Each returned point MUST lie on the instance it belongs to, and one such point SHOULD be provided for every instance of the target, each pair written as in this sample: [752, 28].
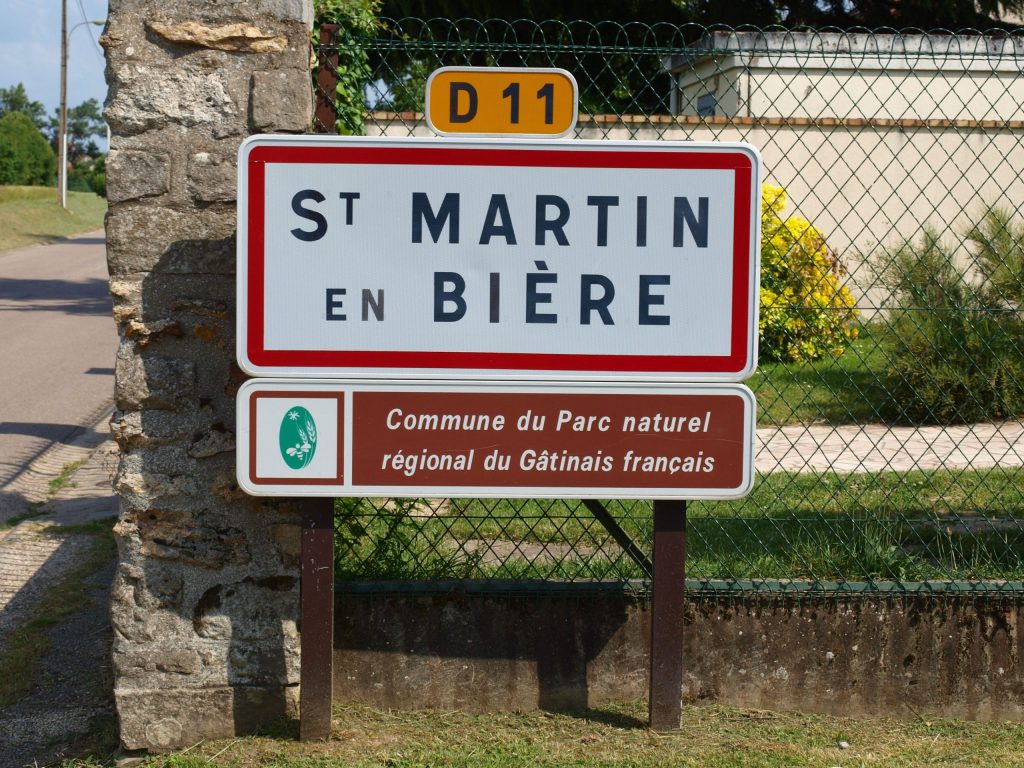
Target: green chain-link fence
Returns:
[891, 384]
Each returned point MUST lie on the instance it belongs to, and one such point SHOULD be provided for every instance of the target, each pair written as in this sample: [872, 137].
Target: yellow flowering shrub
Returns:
[806, 311]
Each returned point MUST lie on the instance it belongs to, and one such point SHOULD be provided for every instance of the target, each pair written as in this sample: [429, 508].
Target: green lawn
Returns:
[31, 215]
[916, 526]
[843, 390]
[711, 737]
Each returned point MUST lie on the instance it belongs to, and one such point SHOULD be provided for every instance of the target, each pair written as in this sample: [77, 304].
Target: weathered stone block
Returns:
[153, 96]
[137, 429]
[245, 38]
[275, 106]
[145, 603]
[246, 612]
[162, 719]
[211, 177]
[168, 660]
[290, 10]
[142, 488]
[288, 541]
[127, 298]
[132, 174]
[190, 538]
[144, 238]
[183, 296]
[142, 333]
[151, 382]
[210, 444]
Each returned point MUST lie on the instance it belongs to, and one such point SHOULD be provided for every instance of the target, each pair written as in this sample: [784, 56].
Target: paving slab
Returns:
[880, 448]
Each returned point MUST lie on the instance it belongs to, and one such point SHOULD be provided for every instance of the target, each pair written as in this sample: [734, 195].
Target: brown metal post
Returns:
[326, 117]
[667, 615]
[317, 619]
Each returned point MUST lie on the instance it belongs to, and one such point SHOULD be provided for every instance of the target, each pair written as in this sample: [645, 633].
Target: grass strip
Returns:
[28, 514]
[26, 644]
[64, 478]
[916, 526]
[712, 737]
[32, 215]
[849, 389]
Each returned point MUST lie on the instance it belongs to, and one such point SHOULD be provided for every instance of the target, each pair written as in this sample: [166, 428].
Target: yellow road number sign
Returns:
[499, 101]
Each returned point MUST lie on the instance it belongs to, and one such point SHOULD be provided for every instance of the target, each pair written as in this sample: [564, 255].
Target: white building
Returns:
[849, 76]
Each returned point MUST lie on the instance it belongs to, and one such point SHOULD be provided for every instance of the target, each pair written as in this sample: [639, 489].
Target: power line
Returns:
[95, 46]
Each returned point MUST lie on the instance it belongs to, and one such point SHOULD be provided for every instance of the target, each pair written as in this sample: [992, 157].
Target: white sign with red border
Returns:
[498, 259]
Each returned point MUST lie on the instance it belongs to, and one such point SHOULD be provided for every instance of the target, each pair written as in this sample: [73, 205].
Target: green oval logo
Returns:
[297, 437]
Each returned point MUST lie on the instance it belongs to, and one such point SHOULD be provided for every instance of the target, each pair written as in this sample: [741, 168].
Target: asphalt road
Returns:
[57, 346]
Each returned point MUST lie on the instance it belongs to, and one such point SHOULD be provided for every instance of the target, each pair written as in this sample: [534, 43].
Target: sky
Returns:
[30, 50]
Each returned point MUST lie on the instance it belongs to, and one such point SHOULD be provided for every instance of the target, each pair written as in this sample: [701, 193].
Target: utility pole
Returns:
[62, 135]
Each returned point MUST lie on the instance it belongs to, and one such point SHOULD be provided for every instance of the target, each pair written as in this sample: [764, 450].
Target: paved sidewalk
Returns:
[33, 554]
[878, 448]
[71, 694]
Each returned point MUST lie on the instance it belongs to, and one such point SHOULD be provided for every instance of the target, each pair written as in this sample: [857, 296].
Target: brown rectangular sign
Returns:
[494, 440]
[547, 440]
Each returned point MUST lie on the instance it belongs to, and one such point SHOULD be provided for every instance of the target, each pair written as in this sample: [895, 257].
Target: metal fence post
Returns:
[326, 117]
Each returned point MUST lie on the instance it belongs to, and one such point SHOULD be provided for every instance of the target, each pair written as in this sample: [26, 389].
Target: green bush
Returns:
[999, 243]
[355, 19]
[954, 341]
[98, 182]
[89, 175]
[25, 156]
[806, 311]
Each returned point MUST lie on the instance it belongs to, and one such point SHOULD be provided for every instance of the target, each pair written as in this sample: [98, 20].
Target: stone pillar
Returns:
[205, 600]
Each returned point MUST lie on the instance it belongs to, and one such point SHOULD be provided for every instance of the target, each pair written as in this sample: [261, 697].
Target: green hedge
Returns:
[25, 156]
[955, 340]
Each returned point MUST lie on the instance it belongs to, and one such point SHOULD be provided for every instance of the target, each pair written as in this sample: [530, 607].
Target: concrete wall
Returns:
[899, 656]
[206, 593]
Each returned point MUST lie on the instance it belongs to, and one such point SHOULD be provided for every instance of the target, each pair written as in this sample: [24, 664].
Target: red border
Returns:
[591, 157]
[339, 477]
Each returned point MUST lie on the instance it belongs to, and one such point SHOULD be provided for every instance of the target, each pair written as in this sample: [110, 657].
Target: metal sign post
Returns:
[668, 600]
[316, 619]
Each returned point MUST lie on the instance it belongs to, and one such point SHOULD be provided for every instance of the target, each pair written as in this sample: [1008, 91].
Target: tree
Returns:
[649, 11]
[806, 311]
[84, 122]
[98, 180]
[15, 99]
[898, 14]
[25, 157]
[923, 14]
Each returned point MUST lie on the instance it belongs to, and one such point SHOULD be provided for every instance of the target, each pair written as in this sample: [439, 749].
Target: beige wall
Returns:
[844, 92]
